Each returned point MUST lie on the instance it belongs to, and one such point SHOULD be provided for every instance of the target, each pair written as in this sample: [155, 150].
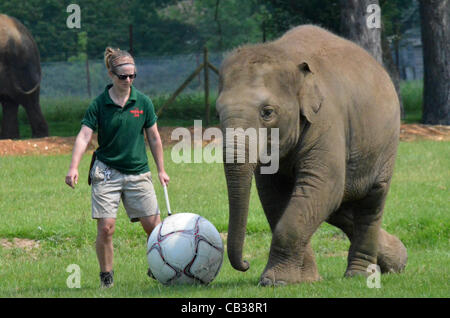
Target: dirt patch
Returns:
[25, 244]
[38, 146]
[413, 132]
[64, 145]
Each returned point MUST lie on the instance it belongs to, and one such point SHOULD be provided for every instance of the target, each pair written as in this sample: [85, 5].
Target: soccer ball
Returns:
[185, 249]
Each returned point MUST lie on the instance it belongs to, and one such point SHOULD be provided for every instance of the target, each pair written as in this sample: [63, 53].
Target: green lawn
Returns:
[411, 93]
[36, 204]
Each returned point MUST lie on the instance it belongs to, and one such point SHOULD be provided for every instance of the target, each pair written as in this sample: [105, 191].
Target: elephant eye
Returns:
[266, 113]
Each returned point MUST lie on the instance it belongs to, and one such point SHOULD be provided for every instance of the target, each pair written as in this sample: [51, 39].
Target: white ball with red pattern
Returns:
[185, 249]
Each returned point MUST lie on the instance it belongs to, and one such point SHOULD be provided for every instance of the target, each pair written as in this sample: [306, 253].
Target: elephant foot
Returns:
[391, 257]
[355, 273]
[359, 264]
[392, 254]
[282, 277]
[39, 135]
[39, 131]
[291, 271]
[266, 282]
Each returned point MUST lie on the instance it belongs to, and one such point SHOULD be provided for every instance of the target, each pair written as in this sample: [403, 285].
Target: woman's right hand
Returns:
[83, 139]
[72, 177]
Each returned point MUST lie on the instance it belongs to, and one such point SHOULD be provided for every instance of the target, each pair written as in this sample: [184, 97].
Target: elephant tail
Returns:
[27, 92]
[22, 60]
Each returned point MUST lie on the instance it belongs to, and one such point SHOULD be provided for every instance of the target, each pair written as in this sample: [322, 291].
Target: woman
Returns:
[121, 114]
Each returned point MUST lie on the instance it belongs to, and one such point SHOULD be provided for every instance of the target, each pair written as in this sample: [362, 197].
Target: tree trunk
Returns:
[434, 16]
[355, 26]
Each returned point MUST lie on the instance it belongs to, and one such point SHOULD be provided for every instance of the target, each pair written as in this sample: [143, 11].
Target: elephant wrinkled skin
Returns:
[20, 76]
[338, 117]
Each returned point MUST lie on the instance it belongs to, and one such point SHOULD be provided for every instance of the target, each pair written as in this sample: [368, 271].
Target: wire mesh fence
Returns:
[155, 76]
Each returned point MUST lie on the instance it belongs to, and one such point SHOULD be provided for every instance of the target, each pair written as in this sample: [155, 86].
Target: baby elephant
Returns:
[337, 116]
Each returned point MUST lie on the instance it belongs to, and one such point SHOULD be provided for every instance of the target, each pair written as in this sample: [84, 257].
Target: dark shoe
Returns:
[150, 274]
[107, 279]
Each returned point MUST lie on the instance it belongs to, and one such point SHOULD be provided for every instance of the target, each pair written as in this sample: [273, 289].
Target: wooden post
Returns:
[213, 68]
[264, 31]
[130, 32]
[197, 57]
[88, 77]
[205, 66]
[206, 73]
[183, 86]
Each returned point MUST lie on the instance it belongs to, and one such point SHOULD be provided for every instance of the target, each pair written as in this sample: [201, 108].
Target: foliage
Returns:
[106, 23]
[222, 24]
[82, 47]
[283, 15]
[167, 27]
[398, 15]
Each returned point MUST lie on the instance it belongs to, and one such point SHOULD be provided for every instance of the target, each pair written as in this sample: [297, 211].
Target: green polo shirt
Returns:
[121, 130]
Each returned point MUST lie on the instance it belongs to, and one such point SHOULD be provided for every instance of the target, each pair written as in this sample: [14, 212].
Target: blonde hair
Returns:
[112, 57]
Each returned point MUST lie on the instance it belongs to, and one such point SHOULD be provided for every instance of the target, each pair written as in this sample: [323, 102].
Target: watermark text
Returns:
[74, 279]
[251, 145]
[73, 20]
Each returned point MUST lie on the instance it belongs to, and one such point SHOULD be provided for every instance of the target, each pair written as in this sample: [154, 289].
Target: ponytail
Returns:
[116, 57]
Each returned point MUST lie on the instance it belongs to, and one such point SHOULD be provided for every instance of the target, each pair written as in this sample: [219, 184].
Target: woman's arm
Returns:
[154, 141]
[83, 139]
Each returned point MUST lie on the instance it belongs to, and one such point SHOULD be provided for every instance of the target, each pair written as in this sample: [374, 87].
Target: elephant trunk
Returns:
[239, 180]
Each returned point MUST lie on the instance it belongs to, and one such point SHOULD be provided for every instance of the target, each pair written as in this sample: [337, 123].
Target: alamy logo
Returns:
[374, 279]
[241, 146]
[73, 20]
[374, 19]
[74, 279]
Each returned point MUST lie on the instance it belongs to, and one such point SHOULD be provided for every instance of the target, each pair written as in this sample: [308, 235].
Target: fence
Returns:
[156, 76]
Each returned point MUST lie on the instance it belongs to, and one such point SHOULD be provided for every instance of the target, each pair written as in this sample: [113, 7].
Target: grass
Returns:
[412, 92]
[36, 204]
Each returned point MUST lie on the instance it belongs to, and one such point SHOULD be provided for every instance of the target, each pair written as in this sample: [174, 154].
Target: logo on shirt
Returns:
[136, 112]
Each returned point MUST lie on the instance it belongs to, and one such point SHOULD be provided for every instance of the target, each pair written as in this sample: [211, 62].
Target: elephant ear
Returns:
[310, 96]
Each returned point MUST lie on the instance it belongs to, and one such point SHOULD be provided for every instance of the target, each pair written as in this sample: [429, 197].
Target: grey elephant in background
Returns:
[20, 77]
[338, 119]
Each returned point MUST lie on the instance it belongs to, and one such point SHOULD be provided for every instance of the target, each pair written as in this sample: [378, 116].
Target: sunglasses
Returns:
[124, 77]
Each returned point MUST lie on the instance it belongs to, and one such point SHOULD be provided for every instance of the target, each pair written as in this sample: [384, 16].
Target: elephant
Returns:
[337, 115]
[20, 76]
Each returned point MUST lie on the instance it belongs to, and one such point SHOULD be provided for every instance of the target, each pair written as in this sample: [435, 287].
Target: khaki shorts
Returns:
[109, 186]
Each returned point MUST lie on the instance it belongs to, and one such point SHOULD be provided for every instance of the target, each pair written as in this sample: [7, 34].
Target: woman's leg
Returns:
[104, 244]
[149, 223]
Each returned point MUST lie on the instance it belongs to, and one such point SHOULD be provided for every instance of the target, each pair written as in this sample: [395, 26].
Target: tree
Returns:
[397, 17]
[434, 16]
[284, 15]
[221, 25]
[106, 23]
[357, 25]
